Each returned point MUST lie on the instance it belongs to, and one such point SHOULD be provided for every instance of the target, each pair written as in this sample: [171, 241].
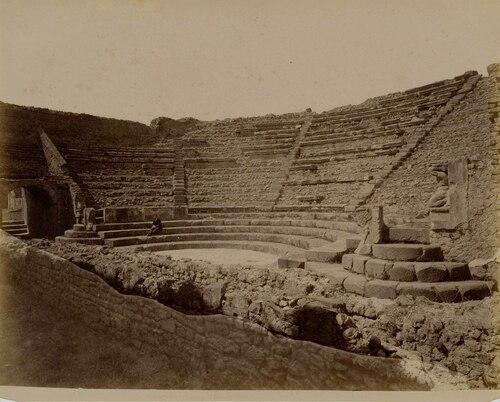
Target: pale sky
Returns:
[213, 59]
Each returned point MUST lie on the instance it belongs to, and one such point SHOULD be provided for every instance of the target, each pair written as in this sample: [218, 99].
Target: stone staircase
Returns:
[277, 186]
[16, 228]
[409, 266]
[180, 198]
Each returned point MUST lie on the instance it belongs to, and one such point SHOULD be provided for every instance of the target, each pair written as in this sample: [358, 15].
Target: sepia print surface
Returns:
[325, 220]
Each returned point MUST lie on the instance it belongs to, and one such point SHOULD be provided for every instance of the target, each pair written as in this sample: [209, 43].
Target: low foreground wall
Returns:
[213, 351]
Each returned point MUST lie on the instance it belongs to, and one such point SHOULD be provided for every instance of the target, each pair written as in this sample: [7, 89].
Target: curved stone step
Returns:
[341, 226]
[325, 234]
[83, 240]
[406, 271]
[407, 252]
[446, 292]
[278, 249]
[80, 233]
[331, 253]
[231, 213]
[293, 240]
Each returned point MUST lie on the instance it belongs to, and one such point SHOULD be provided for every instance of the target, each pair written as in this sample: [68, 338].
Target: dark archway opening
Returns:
[29, 212]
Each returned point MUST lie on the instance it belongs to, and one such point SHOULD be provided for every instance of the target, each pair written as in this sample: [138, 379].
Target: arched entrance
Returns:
[38, 207]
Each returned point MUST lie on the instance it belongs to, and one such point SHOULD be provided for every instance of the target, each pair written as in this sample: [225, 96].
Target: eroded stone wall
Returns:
[208, 351]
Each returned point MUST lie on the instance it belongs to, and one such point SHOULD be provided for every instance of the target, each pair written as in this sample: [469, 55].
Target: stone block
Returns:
[377, 269]
[381, 289]
[397, 251]
[335, 272]
[365, 249]
[358, 263]
[291, 262]
[402, 272]
[355, 284]
[324, 254]
[409, 235]
[431, 272]
[458, 271]
[417, 289]
[431, 253]
[484, 269]
[212, 296]
[352, 244]
[473, 290]
[347, 261]
[447, 292]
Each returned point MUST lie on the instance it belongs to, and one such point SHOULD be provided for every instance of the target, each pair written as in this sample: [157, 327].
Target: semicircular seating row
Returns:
[408, 264]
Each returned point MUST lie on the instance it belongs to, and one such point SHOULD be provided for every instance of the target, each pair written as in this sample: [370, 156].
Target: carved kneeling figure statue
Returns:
[440, 198]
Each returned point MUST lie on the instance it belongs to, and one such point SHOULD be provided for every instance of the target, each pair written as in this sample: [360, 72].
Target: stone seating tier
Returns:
[396, 144]
[268, 153]
[368, 162]
[328, 180]
[164, 180]
[276, 137]
[278, 125]
[318, 240]
[338, 193]
[148, 152]
[353, 141]
[207, 230]
[425, 89]
[162, 188]
[433, 95]
[268, 219]
[378, 112]
[338, 134]
[279, 131]
[335, 216]
[119, 160]
[264, 145]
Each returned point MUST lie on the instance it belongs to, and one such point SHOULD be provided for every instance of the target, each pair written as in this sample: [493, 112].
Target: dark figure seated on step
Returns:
[156, 228]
